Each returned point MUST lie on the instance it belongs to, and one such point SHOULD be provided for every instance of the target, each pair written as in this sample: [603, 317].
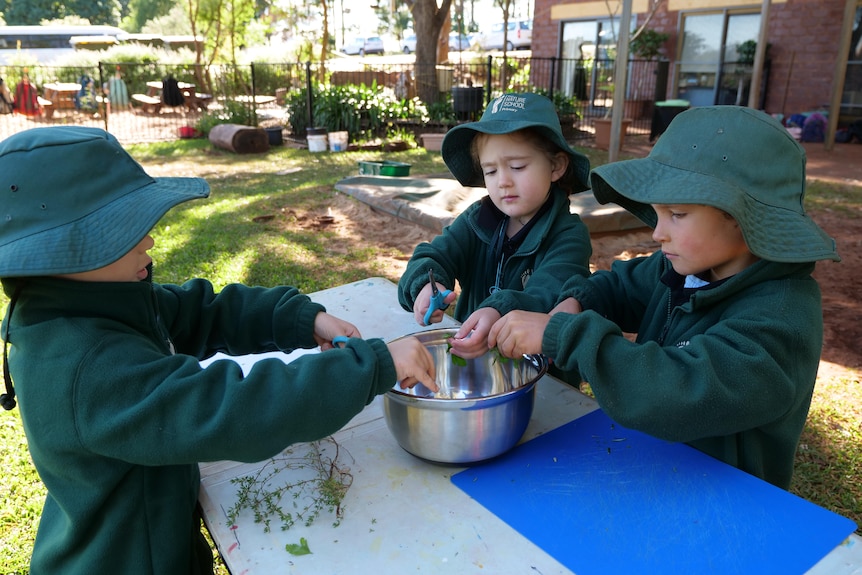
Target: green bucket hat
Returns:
[736, 159]
[506, 114]
[73, 200]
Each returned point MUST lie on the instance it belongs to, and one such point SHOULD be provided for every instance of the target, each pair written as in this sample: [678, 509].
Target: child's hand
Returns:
[568, 305]
[326, 327]
[471, 340]
[413, 363]
[518, 333]
[423, 301]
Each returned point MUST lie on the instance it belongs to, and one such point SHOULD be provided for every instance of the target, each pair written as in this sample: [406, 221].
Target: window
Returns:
[710, 68]
[851, 97]
[588, 48]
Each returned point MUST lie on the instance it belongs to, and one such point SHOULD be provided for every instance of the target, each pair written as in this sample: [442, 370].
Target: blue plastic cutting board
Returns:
[603, 499]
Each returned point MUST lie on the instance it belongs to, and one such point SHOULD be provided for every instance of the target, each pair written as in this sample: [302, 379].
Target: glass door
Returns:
[588, 49]
[851, 97]
[714, 66]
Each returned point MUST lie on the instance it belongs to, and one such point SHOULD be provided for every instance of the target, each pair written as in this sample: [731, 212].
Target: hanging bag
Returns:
[171, 93]
[6, 106]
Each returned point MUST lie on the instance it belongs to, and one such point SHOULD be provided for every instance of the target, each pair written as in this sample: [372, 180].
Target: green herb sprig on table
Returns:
[300, 548]
[324, 490]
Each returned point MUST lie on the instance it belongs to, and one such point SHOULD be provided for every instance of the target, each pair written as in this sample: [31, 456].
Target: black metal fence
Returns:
[125, 98]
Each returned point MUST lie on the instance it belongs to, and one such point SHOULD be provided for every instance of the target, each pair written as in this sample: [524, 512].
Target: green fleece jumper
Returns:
[730, 370]
[556, 248]
[118, 410]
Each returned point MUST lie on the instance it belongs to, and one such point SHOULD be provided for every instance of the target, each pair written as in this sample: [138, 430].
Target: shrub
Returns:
[365, 112]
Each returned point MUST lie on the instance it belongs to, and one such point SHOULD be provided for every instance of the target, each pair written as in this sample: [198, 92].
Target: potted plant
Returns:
[441, 115]
[567, 110]
[602, 126]
[648, 45]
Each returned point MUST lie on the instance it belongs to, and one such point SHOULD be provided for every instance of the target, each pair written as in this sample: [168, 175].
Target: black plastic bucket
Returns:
[468, 101]
[276, 138]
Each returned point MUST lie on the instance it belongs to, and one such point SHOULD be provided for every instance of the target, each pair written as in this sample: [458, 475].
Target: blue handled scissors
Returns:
[437, 298]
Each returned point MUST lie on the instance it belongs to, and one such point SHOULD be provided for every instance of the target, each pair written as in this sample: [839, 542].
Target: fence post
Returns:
[100, 90]
[553, 78]
[308, 102]
[253, 96]
[488, 81]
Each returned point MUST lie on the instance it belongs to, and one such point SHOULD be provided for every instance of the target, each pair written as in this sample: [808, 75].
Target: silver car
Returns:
[408, 44]
[519, 36]
[362, 46]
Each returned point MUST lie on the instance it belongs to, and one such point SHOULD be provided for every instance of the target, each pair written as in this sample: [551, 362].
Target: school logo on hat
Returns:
[508, 103]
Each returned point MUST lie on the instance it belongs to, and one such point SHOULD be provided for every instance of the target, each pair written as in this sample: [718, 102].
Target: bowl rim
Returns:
[524, 388]
[539, 360]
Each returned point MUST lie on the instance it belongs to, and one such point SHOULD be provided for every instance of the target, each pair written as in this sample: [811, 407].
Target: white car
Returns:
[362, 46]
[458, 43]
[519, 36]
[408, 44]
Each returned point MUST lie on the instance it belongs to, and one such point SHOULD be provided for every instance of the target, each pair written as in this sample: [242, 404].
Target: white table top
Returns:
[401, 514]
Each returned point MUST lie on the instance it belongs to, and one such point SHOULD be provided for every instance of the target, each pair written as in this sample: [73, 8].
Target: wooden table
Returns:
[402, 514]
[154, 87]
[192, 100]
[61, 95]
[258, 100]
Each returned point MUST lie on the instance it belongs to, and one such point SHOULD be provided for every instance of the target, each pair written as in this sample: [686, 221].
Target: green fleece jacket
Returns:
[118, 411]
[729, 370]
[555, 249]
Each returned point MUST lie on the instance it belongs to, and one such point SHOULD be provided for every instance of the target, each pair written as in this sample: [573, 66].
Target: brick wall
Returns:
[804, 37]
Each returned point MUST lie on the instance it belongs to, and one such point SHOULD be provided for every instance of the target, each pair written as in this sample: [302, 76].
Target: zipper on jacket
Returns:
[666, 327]
[160, 328]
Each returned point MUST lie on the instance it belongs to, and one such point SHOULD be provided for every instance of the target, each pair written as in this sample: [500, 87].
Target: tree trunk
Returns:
[428, 20]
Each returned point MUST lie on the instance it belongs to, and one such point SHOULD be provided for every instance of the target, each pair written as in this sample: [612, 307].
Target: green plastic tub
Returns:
[384, 168]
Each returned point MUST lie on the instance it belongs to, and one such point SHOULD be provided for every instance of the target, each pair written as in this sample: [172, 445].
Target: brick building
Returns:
[812, 51]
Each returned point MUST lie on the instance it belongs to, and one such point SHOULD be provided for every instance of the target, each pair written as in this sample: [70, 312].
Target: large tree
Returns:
[34, 12]
[142, 11]
[428, 21]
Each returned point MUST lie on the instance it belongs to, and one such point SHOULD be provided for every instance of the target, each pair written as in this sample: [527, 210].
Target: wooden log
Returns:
[239, 139]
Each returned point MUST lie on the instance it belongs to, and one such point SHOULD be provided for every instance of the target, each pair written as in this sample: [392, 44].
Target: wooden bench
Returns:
[149, 104]
[197, 101]
[47, 106]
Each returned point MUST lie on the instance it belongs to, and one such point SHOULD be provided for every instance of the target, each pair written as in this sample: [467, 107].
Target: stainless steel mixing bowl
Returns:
[481, 410]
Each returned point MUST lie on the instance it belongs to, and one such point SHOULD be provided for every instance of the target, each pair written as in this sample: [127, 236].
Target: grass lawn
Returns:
[224, 239]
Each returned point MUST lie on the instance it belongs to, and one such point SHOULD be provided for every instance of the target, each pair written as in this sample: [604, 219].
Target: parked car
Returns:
[519, 36]
[362, 46]
[408, 44]
[458, 42]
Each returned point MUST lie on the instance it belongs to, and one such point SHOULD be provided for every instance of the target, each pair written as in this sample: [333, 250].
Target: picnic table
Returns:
[59, 96]
[152, 103]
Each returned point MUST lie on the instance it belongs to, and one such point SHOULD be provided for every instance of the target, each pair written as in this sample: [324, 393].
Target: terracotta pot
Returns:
[432, 142]
[603, 132]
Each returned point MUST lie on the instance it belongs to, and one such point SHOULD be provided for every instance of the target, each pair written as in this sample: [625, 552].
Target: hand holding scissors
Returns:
[437, 298]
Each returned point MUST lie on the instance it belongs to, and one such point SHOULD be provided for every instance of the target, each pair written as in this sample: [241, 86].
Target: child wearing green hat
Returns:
[514, 248]
[115, 405]
[727, 315]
